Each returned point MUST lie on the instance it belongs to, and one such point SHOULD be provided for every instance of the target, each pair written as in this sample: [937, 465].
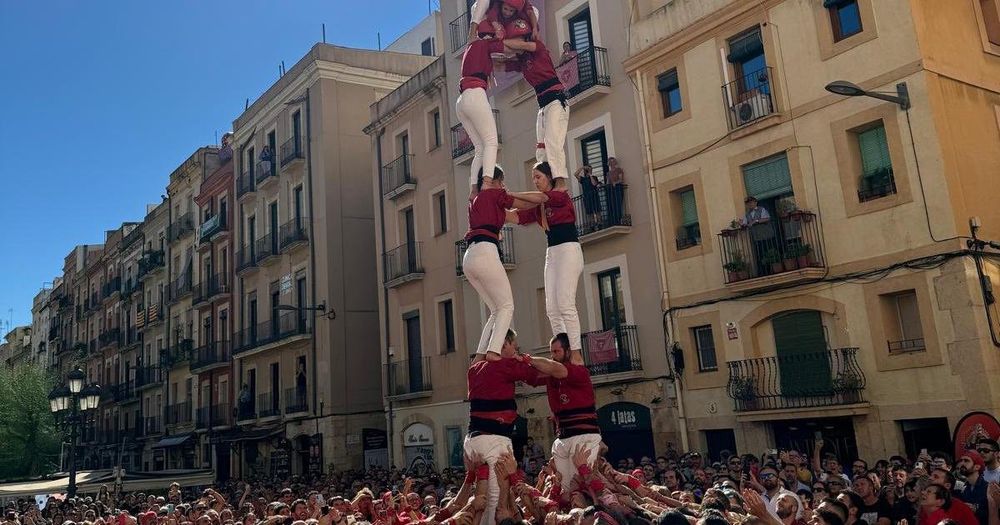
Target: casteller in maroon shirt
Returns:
[559, 217]
[477, 66]
[571, 400]
[487, 214]
[492, 409]
[539, 71]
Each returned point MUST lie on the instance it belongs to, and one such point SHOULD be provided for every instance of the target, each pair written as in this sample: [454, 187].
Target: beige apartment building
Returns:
[432, 317]
[305, 317]
[798, 325]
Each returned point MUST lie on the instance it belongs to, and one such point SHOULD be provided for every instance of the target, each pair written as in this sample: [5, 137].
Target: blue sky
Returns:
[103, 99]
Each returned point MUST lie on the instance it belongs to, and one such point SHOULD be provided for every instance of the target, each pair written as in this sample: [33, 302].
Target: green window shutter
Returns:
[836, 3]
[689, 208]
[745, 47]
[667, 81]
[874, 152]
[768, 178]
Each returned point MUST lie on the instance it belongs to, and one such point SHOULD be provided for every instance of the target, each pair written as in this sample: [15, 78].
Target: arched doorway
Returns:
[627, 429]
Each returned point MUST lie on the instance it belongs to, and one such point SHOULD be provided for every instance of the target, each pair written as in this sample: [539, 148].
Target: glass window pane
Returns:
[850, 19]
[706, 348]
[674, 100]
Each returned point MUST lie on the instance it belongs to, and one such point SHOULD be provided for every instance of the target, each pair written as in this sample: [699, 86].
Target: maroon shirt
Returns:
[558, 210]
[494, 381]
[477, 66]
[538, 70]
[571, 399]
[488, 213]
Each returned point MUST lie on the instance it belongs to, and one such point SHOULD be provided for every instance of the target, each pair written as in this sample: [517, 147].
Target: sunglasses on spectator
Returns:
[819, 488]
[767, 475]
[985, 450]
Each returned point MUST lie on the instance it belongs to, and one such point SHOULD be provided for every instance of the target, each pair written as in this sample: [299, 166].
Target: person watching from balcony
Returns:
[568, 53]
[563, 256]
[266, 155]
[616, 191]
[588, 188]
[758, 221]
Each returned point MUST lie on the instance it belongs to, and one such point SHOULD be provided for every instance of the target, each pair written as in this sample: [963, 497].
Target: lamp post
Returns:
[69, 402]
[847, 89]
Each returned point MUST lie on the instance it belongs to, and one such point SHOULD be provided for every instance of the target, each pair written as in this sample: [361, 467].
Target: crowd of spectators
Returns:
[787, 487]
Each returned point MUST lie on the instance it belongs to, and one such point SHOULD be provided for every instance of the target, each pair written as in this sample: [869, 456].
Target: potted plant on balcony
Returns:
[736, 267]
[786, 207]
[773, 258]
[734, 228]
[803, 255]
[743, 390]
[848, 386]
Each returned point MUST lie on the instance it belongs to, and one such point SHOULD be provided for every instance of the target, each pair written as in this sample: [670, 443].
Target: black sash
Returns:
[478, 425]
[561, 233]
[492, 405]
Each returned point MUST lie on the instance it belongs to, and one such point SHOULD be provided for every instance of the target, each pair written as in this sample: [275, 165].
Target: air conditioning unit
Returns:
[754, 106]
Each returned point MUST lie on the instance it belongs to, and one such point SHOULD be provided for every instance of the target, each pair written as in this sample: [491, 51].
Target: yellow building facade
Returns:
[844, 301]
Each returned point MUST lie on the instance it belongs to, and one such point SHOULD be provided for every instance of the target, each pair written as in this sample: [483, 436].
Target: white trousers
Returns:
[487, 275]
[550, 130]
[489, 448]
[563, 266]
[562, 453]
[476, 115]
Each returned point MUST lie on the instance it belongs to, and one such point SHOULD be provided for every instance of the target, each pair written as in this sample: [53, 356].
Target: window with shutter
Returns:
[705, 345]
[876, 165]
[670, 92]
[689, 232]
[768, 178]
[595, 153]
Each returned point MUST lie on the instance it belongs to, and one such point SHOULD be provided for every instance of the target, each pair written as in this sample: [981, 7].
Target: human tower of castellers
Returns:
[577, 485]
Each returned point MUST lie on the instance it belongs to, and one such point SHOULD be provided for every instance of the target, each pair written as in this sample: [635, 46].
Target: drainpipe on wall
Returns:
[658, 243]
[385, 291]
[312, 252]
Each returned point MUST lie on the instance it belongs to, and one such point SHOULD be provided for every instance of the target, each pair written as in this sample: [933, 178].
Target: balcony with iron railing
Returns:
[458, 31]
[749, 99]
[397, 177]
[245, 185]
[294, 233]
[181, 287]
[124, 391]
[296, 400]
[150, 262]
[612, 351]
[402, 265]
[506, 248]
[179, 352]
[807, 380]
[148, 376]
[109, 337]
[93, 346]
[211, 355]
[462, 148]
[179, 413]
[94, 304]
[291, 152]
[593, 74]
[212, 226]
[288, 326]
[246, 259]
[265, 172]
[267, 248]
[213, 286]
[222, 415]
[268, 405]
[777, 251]
[130, 337]
[202, 417]
[111, 288]
[181, 226]
[130, 287]
[602, 213]
[153, 425]
[409, 378]
[246, 409]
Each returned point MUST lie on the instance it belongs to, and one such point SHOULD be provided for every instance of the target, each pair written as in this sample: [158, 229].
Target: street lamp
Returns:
[848, 89]
[75, 398]
[321, 308]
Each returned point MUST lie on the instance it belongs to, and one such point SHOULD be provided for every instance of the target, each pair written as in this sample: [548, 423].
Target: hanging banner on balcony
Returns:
[601, 347]
[569, 73]
[973, 427]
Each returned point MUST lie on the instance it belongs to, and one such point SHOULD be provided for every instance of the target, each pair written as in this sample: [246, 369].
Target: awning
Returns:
[89, 482]
[58, 483]
[235, 436]
[172, 441]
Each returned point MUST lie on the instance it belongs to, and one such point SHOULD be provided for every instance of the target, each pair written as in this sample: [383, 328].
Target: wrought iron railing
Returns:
[244, 184]
[212, 286]
[872, 188]
[593, 69]
[296, 400]
[906, 346]
[294, 232]
[462, 144]
[612, 351]
[409, 376]
[150, 262]
[221, 414]
[180, 227]
[211, 354]
[113, 286]
[246, 258]
[179, 413]
[109, 337]
[458, 30]
[265, 170]
[287, 325]
[267, 246]
[202, 417]
[397, 174]
[268, 404]
[402, 261]
[211, 226]
[605, 208]
[800, 380]
[506, 248]
[291, 150]
[153, 425]
[178, 353]
[181, 286]
[146, 376]
[749, 98]
[772, 247]
[124, 391]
